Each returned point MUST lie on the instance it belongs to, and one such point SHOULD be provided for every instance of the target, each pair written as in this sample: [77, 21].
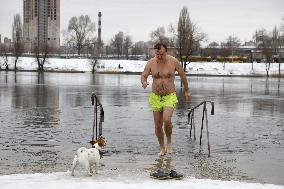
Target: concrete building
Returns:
[41, 23]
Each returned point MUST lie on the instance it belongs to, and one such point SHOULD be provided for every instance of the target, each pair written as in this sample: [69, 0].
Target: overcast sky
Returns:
[138, 18]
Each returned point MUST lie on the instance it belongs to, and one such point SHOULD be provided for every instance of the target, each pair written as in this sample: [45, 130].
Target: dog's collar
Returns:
[100, 152]
[96, 148]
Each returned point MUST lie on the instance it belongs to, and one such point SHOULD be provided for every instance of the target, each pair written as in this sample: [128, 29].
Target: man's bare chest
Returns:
[160, 70]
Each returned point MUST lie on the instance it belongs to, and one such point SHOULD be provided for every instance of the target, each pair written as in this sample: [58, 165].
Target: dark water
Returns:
[45, 118]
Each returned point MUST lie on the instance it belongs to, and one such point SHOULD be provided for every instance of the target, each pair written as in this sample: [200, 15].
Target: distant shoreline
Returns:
[49, 71]
[139, 73]
[136, 67]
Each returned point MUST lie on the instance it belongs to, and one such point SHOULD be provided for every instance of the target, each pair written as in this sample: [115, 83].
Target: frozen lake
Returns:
[45, 118]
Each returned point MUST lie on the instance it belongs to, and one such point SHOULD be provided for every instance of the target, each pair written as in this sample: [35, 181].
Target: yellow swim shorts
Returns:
[158, 102]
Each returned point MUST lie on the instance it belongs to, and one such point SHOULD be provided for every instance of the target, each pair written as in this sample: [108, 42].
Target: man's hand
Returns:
[187, 94]
[145, 84]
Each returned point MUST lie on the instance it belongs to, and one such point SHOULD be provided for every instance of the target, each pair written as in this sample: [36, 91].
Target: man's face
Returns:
[160, 53]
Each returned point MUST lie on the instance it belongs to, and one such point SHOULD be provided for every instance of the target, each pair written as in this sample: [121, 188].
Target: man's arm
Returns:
[145, 75]
[182, 75]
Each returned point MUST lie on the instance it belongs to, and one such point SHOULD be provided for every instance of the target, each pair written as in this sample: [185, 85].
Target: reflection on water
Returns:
[45, 117]
[163, 163]
[28, 130]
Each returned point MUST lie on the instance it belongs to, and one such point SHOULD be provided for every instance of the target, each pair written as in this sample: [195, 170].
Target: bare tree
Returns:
[264, 43]
[41, 53]
[117, 43]
[276, 47]
[81, 30]
[213, 44]
[138, 48]
[97, 47]
[275, 40]
[17, 34]
[147, 45]
[93, 59]
[67, 43]
[159, 36]
[127, 44]
[232, 43]
[281, 44]
[282, 34]
[96, 50]
[109, 50]
[173, 38]
[189, 37]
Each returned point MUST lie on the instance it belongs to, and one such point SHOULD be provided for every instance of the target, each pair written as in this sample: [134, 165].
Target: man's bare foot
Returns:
[169, 149]
[162, 152]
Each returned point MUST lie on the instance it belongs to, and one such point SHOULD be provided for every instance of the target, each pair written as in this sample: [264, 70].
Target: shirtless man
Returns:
[163, 97]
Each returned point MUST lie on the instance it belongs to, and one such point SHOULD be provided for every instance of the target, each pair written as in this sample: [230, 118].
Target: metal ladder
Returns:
[191, 121]
[98, 120]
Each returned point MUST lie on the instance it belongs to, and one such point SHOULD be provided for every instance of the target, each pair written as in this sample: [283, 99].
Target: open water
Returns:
[44, 118]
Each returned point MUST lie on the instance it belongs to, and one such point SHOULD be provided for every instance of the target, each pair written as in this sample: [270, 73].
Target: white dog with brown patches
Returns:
[87, 158]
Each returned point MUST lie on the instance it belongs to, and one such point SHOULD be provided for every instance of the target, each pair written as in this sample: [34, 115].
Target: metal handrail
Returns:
[97, 131]
[204, 116]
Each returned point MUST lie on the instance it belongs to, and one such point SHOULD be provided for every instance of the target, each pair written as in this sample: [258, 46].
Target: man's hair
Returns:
[159, 45]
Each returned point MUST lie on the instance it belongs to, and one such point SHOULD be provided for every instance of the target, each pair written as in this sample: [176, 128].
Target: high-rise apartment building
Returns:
[41, 23]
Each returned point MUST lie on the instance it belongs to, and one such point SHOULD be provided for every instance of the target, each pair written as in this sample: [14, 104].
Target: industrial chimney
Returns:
[100, 28]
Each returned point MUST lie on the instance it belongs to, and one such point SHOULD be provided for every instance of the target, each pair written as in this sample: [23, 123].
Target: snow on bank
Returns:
[64, 180]
[196, 68]
[54, 64]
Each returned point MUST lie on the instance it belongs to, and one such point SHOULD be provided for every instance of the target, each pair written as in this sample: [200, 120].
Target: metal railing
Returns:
[97, 123]
[204, 117]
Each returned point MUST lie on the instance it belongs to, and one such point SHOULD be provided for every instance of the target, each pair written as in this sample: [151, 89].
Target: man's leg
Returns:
[158, 119]
[167, 119]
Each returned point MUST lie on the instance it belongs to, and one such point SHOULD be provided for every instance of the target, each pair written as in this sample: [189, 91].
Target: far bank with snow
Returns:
[137, 66]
